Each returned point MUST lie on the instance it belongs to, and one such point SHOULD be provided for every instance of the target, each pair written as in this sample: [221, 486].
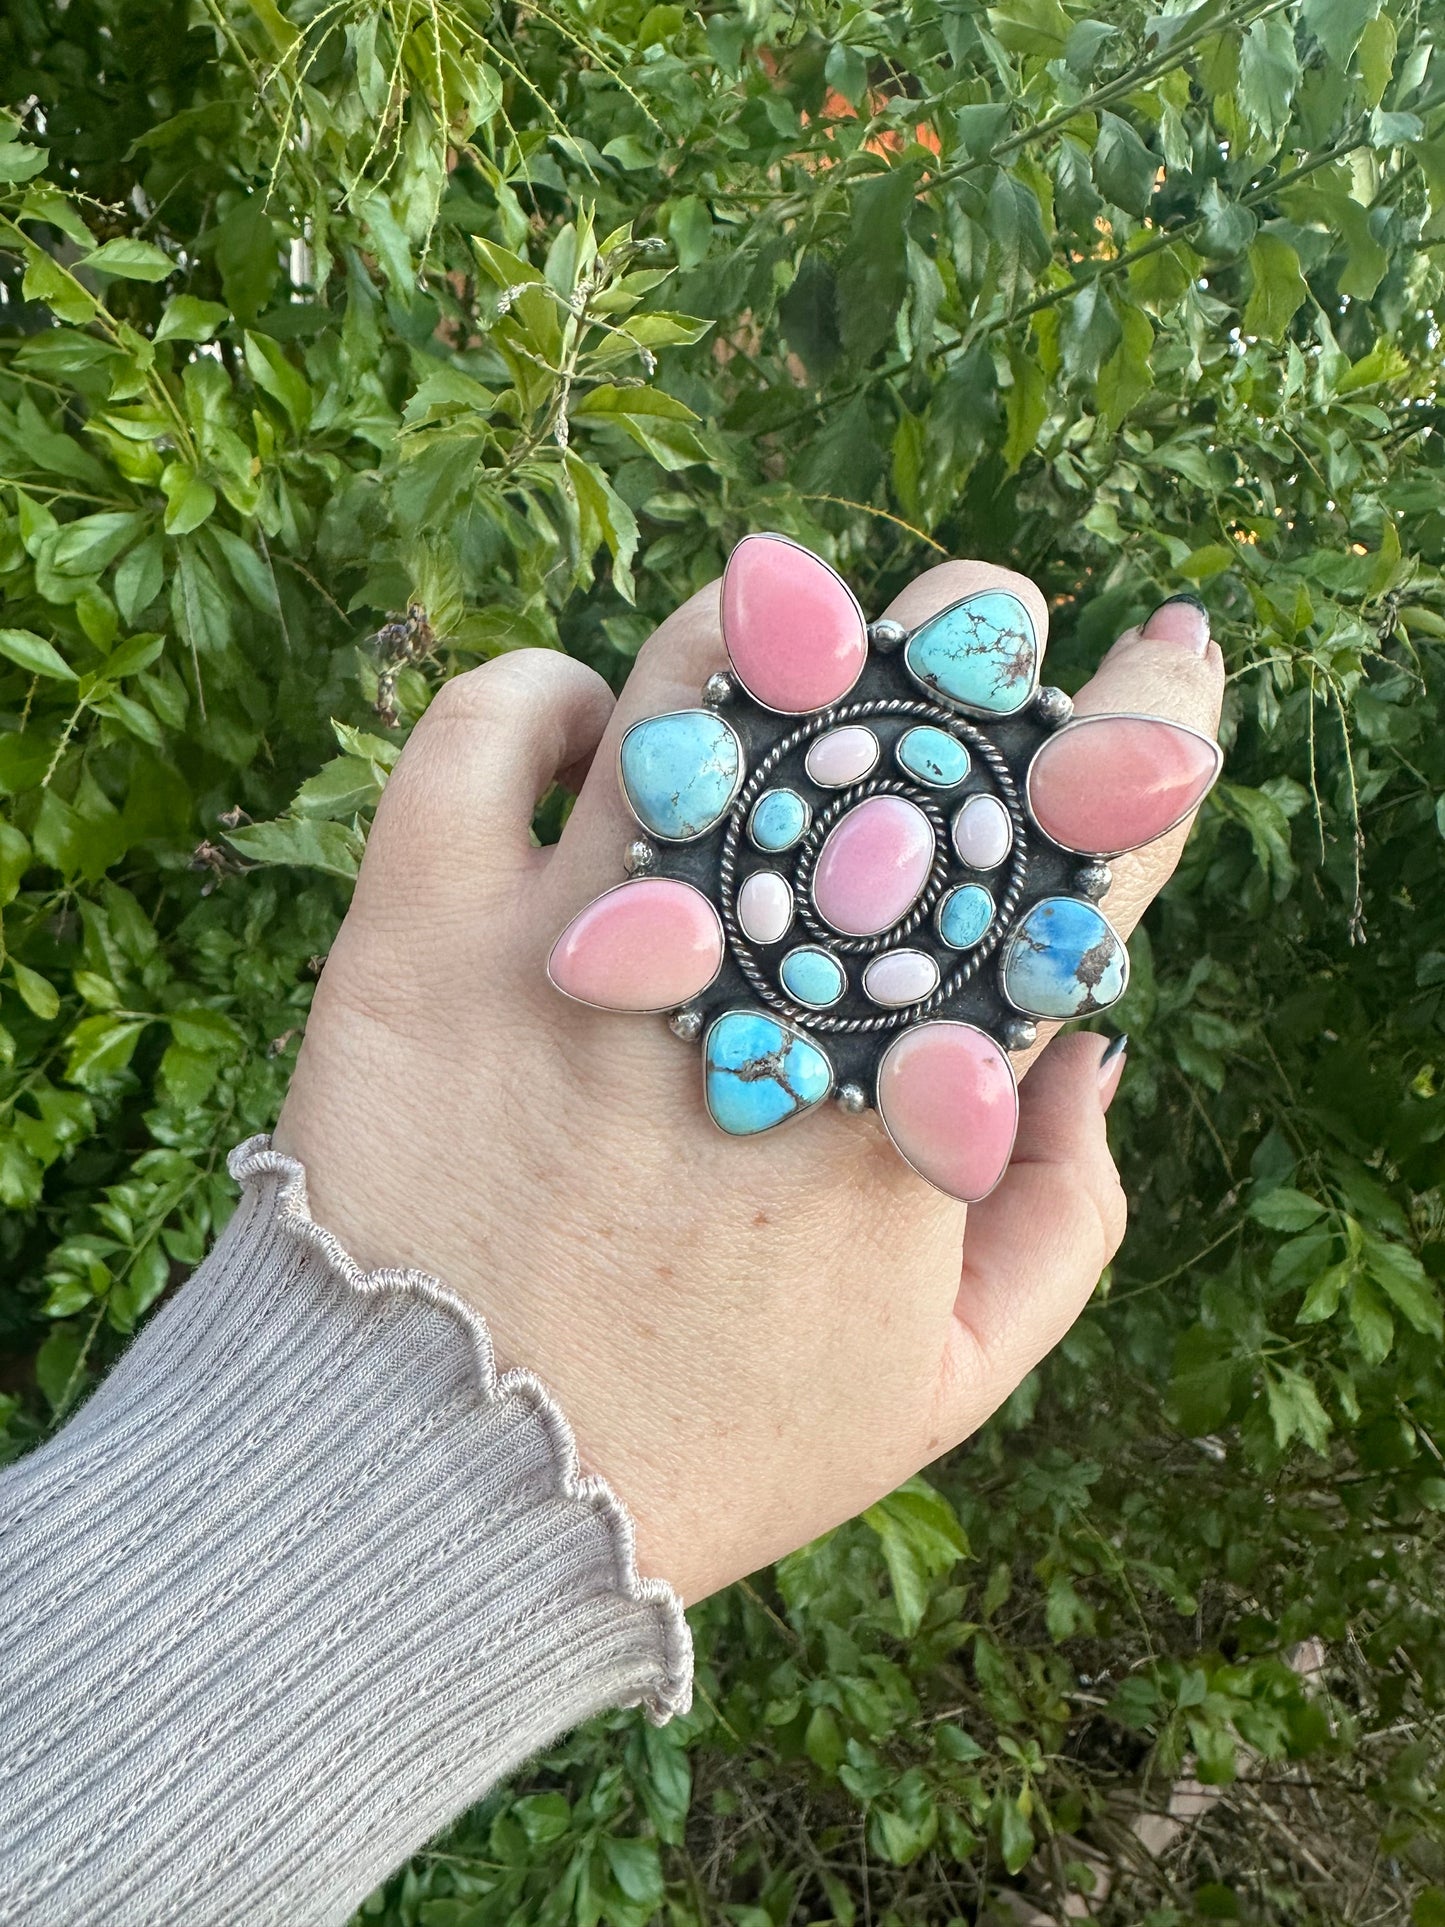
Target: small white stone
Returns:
[982, 832]
[842, 756]
[901, 977]
[765, 906]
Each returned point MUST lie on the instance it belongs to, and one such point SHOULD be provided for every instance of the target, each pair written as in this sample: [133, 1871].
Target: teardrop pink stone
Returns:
[793, 628]
[1106, 784]
[649, 944]
[872, 865]
[948, 1099]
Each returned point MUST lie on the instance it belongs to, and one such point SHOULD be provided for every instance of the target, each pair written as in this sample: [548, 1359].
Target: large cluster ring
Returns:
[869, 862]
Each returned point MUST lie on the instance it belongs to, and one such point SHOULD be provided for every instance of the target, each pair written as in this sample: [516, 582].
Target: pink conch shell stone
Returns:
[794, 632]
[765, 906]
[982, 832]
[901, 977]
[1106, 784]
[842, 756]
[948, 1100]
[873, 864]
[647, 945]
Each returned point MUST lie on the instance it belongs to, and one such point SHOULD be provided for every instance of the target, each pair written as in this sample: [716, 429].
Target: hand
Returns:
[752, 1339]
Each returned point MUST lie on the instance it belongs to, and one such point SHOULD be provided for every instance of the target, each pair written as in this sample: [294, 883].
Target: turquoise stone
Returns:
[933, 756]
[1064, 959]
[759, 1071]
[965, 915]
[812, 976]
[982, 654]
[681, 772]
[779, 818]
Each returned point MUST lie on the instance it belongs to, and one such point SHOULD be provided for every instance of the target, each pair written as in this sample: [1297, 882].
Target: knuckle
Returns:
[1110, 1205]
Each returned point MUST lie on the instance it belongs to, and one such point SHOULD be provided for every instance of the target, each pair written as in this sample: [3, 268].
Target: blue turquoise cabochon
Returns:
[982, 654]
[681, 772]
[1063, 958]
[759, 1071]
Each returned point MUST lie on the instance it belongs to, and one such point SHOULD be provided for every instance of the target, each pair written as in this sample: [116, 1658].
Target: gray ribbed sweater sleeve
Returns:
[301, 1581]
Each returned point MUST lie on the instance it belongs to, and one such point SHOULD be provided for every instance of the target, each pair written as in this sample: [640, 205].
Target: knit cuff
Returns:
[303, 1579]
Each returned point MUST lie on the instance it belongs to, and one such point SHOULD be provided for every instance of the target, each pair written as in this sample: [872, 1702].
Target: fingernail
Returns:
[1182, 619]
[1111, 1069]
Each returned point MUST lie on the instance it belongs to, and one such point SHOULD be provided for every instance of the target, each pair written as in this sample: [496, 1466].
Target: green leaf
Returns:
[58, 1360]
[274, 375]
[1323, 1297]
[1402, 1278]
[1285, 1210]
[338, 790]
[89, 544]
[139, 578]
[133, 655]
[921, 1538]
[1124, 168]
[636, 1868]
[1015, 1835]
[100, 1047]
[1378, 43]
[21, 163]
[873, 268]
[36, 992]
[1269, 73]
[1337, 25]
[302, 842]
[35, 654]
[1294, 1408]
[1279, 288]
[1026, 408]
[279, 30]
[1126, 376]
[1370, 1318]
[189, 500]
[187, 318]
[130, 260]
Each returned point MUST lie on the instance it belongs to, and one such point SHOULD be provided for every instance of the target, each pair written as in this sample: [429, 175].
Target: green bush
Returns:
[348, 344]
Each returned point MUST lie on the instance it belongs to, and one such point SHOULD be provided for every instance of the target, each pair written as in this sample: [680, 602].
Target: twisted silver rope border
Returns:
[1007, 904]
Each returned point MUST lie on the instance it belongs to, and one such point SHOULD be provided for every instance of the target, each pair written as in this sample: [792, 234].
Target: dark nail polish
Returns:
[1182, 619]
[1111, 1068]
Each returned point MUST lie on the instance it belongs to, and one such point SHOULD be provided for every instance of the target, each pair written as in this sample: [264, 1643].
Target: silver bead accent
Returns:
[686, 1024]
[1019, 1033]
[718, 689]
[1093, 880]
[639, 857]
[1053, 706]
[887, 635]
[852, 1098]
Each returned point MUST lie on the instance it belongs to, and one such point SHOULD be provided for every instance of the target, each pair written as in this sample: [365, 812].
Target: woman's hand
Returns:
[752, 1339]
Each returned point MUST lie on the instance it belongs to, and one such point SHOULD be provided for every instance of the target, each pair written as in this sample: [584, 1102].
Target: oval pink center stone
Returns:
[872, 865]
[1106, 784]
[650, 944]
[794, 631]
[948, 1099]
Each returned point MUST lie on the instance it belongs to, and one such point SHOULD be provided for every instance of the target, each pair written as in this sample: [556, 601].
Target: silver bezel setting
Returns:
[1119, 716]
[1047, 1016]
[693, 709]
[638, 1010]
[973, 710]
[772, 535]
[823, 950]
[903, 1036]
[793, 1030]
